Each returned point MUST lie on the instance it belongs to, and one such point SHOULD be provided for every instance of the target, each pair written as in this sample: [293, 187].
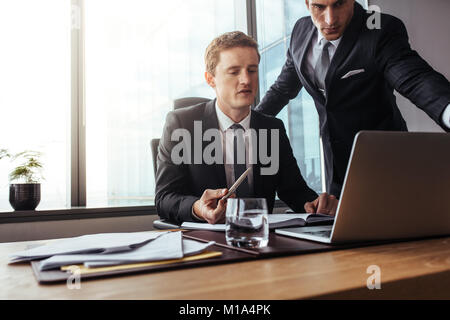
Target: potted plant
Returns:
[25, 187]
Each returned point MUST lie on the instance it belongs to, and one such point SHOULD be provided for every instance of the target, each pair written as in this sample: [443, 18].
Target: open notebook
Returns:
[275, 221]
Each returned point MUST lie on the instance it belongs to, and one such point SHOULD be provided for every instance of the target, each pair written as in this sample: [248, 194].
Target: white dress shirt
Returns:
[228, 149]
[315, 50]
[446, 117]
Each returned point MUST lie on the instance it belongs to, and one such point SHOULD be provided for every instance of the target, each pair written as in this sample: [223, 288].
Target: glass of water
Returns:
[247, 223]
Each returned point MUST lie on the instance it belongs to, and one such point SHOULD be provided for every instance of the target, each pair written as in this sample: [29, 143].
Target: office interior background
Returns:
[90, 94]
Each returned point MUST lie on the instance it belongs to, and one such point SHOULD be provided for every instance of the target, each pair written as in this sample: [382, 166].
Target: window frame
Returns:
[77, 194]
[78, 119]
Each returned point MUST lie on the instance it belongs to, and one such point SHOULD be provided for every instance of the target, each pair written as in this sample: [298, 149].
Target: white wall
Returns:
[428, 27]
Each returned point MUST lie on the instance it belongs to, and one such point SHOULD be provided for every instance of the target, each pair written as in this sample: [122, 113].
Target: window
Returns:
[118, 77]
[36, 91]
[300, 116]
[139, 57]
[275, 21]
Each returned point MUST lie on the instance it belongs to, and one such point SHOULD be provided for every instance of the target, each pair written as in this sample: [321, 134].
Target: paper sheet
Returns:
[189, 248]
[168, 246]
[273, 219]
[95, 243]
[82, 270]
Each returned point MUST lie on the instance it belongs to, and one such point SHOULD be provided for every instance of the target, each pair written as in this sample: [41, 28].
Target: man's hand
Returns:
[325, 203]
[210, 207]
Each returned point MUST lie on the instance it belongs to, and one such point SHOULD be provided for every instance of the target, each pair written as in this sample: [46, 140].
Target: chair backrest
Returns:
[187, 102]
[177, 104]
[154, 145]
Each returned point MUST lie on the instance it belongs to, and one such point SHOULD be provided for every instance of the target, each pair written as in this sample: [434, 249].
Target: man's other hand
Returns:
[325, 203]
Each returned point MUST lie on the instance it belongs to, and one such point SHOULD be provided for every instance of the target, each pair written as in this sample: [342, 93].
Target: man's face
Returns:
[331, 17]
[236, 78]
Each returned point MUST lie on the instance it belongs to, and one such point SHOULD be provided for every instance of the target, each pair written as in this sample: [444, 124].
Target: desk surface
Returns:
[409, 270]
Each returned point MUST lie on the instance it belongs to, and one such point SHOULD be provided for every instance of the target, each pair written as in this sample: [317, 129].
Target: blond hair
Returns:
[227, 41]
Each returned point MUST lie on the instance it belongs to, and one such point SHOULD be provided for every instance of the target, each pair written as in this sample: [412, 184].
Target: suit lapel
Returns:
[306, 78]
[347, 44]
[210, 122]
[258, 182]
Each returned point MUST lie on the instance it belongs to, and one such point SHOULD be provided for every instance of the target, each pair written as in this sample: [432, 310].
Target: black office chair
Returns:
[154, 143]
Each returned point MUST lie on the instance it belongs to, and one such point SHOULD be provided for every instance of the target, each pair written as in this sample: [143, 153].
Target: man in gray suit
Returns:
[351, 72]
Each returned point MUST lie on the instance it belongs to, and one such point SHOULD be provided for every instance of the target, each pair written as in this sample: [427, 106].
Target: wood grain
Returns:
[409, 270]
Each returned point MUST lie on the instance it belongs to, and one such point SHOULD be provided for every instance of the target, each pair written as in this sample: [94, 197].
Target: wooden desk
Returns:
[409, 270]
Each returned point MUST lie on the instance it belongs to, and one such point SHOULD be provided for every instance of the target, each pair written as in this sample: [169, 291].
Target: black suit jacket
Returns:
[179, 186]
[364, 101]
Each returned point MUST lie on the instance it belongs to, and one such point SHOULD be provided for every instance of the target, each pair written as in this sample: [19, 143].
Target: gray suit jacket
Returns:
[364, 101]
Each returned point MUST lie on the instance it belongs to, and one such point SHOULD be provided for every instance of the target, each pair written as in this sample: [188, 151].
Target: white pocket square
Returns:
[352, 73]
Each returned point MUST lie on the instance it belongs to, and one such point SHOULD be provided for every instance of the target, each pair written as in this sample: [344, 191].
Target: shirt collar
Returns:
[225, 122]
[320, 37]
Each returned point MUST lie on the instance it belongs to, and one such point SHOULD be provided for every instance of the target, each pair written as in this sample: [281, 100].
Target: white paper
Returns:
[203, 226]
[95, 243]
[167, 246]
[190, 247]
[273, 218]
[281, 217]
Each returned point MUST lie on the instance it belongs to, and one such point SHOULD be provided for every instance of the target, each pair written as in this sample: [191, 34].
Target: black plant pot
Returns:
[24, 196]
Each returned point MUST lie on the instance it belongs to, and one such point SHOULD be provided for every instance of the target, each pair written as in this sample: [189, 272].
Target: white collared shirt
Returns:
[315, 50]
[227, 145]
[446, 116]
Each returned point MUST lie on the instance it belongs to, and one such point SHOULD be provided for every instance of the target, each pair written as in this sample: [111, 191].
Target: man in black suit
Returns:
[189, 186]
[351, 71]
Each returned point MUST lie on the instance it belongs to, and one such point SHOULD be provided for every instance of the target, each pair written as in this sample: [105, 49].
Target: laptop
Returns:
[397, 186]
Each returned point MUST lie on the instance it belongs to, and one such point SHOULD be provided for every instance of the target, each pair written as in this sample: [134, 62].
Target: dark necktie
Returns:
[243, 191]
[322, 65]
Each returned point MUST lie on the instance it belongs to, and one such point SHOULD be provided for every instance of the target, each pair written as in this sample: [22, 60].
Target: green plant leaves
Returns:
[29, 170]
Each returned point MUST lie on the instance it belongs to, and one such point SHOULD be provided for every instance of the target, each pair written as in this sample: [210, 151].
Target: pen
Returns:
[236, 184]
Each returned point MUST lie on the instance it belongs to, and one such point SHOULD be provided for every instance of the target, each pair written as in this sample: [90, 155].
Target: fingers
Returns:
[310, 207]
[221, 206]
[219, 212]
[215, 214]
[322, 206]
[213, 194]
[335, 203]
[213, 209]
[327, 204]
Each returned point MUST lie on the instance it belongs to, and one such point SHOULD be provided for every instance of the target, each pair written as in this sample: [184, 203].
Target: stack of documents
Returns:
[112, 249]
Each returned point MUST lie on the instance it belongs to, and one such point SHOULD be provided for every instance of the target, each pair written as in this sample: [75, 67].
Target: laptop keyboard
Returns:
[323, 233]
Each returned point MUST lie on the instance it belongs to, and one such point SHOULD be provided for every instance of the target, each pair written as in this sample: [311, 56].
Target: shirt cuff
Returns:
[446, 117]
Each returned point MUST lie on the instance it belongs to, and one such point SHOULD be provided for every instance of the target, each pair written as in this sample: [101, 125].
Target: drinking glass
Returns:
[247, 223]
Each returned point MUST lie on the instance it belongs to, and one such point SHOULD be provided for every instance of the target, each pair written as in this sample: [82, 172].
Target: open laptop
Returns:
[397, 186]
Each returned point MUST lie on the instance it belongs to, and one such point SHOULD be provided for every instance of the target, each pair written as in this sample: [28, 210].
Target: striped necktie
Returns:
[322, 65]
[243, 191]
